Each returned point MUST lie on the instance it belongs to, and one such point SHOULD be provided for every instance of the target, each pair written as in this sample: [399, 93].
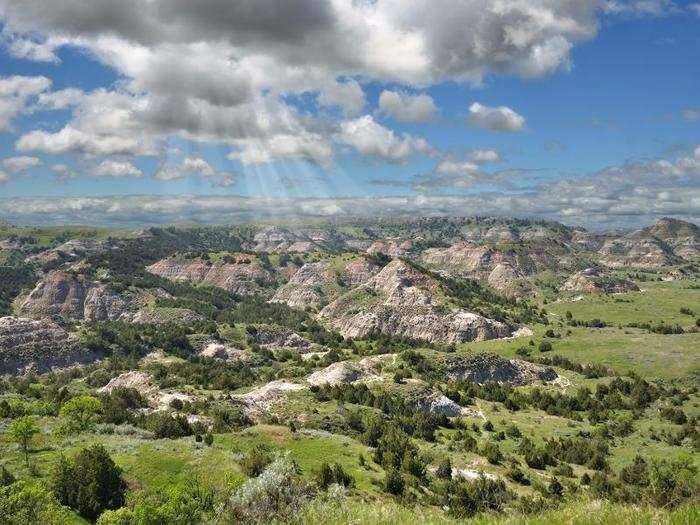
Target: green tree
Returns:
[90, 483]
[27, 503]
[22, 432]
[80, 413]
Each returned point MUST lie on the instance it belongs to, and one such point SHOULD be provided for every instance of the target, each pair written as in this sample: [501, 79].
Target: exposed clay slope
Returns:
[315, 284]
[27, 344]
[591, 280]
[245, 276]
[402, 301]
[683, 237]
[486, 368]
[73, 297]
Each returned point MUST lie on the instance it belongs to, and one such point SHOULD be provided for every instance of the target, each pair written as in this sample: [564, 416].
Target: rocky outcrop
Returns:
[402, 301]
[637, 250]
[73, 296]
[69, 250]
[163, 315]
[315, 284]
[439, 404]
[27, 344]
[223, 352]
[244, 276]
[305, 288]
[487, 368]
[392, 248]
[274, 336]
[593, 281]
[346, 372]
[139, 381]
[259, 401]
[683, 237]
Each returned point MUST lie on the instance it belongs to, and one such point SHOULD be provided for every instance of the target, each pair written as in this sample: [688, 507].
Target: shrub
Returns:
[89, 483]
[671, 482]
[467, 498]
[80, 414]
[276, 494]
[394, 482]
[492, 453]
[25, 503]
[328, 475]
[254, 462]
[545, 346]
[444, 469]
[22, 432]
[209, 439]
[164, 425]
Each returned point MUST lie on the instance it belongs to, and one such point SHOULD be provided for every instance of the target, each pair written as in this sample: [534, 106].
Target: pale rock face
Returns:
[683, 237]
[269, 336]
[439, 404]
[72, 249]
[244, 277]
[346, 372]
[591, 280]
[392, 248]
[28, 344]
[304, 288]
[399, 300]
[223, 352]
[73, 297]
[259, 401]
[637, 252]
[139, 381]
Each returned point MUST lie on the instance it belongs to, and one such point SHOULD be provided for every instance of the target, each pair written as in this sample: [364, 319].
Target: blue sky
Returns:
[584, 112]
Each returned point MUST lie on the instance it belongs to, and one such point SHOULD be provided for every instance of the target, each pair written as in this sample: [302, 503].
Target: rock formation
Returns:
[245, 276]
[28, 344]
[486, 368]
[73, 296]
[591, 280]
[403, 301]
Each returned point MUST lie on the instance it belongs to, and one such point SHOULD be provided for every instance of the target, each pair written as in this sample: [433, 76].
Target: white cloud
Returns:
[450, 167]
[63, 172]
[483, 156]
[220, 71]
[406, 107]
[23, 163]
[4, 177]
[312, 147]
[196, 166]
[691, 114]
[501, 118]
[695, 8]
[372, 139]
[639, 8]
[71, 140]
[347, 95]
[118, 169]
[15, 94]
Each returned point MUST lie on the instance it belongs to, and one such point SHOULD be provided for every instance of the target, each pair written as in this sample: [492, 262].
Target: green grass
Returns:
[657, 301]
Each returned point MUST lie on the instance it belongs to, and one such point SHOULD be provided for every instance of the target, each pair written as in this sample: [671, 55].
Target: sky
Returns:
[138, 112]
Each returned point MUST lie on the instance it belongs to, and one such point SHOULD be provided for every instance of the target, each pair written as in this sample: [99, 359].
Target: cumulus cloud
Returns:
[308, 146]
[118, 169]
[63, 172]
[371, 138]
[406, 107]
[199, 167]
[347, 95]
[221, 71]
[19, 164]
[691, 115]
[15, 94]
[483, 156]
[451, 167]
[639, 8]
[501, 118]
